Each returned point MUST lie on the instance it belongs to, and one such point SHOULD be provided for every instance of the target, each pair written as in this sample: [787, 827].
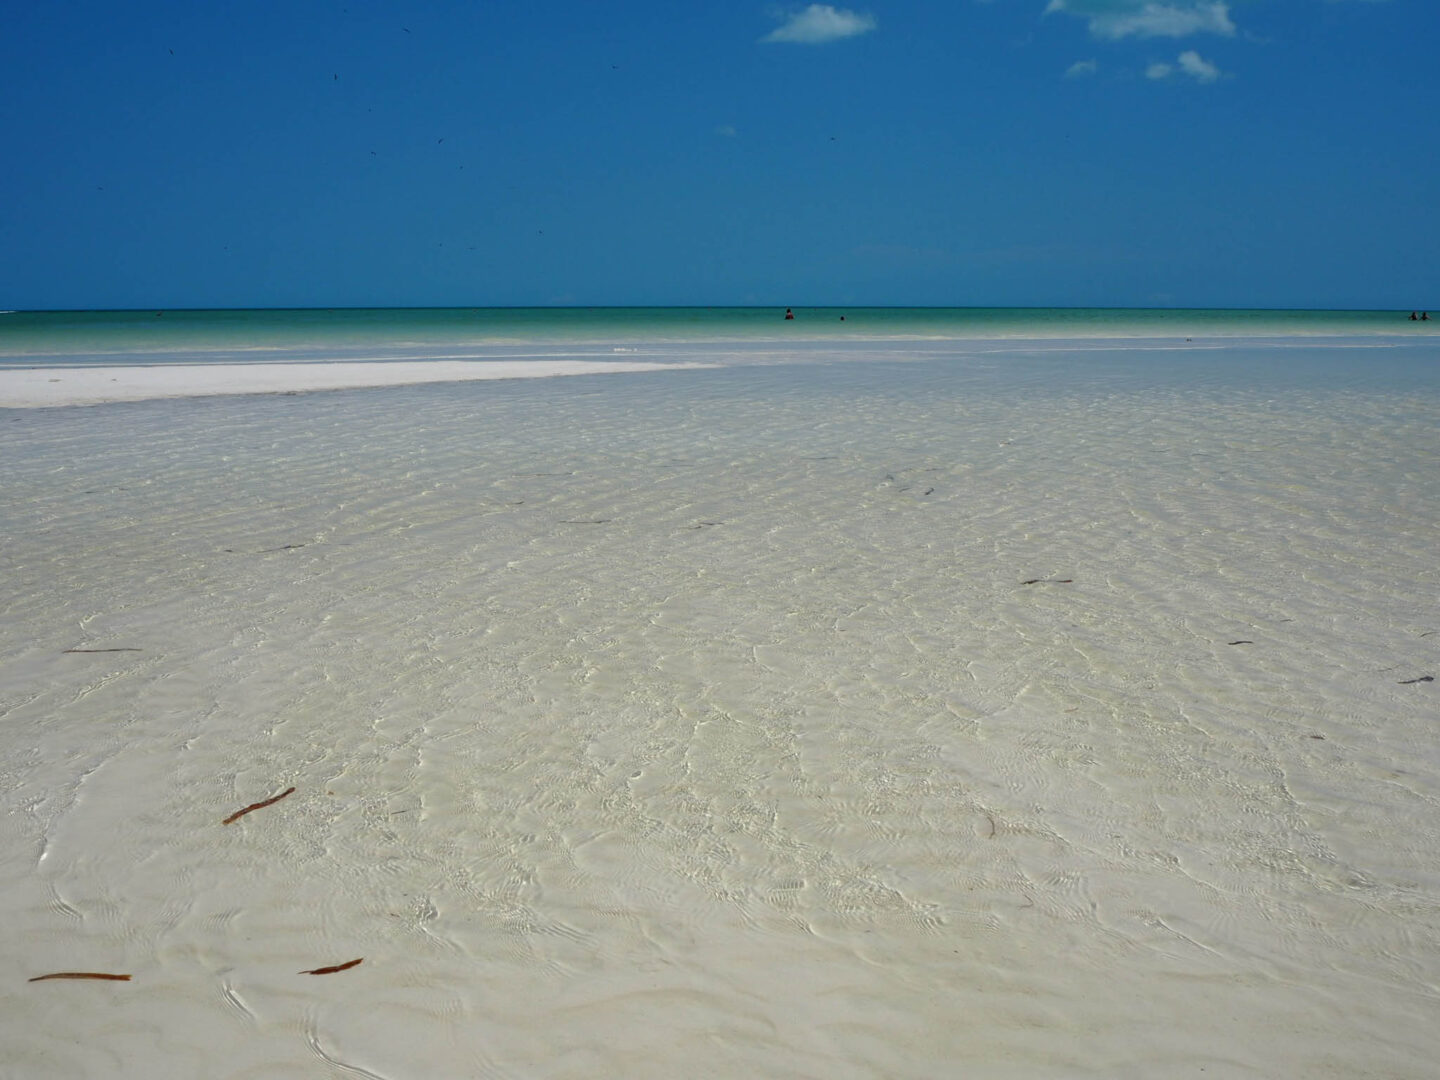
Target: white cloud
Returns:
[1189, 63]
[727, 130]
[818, 24]
[1198, 68]
[1081, 68]
[1113, 19]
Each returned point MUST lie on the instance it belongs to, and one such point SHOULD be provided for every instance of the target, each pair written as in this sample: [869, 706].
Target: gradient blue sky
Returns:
[1266, 153]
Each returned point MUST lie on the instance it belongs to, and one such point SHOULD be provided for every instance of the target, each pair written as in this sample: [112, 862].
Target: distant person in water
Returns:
[1424, 316]
[789, 314]
[1414, 317]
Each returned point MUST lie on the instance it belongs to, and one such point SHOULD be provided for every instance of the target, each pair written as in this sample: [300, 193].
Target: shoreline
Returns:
[107, 378]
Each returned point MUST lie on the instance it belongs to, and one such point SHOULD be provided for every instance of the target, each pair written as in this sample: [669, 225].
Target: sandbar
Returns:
[52, 386]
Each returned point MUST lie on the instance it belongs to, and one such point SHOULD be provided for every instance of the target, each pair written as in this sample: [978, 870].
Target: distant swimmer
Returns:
[842, 318]
[789, 314]
[1414, 317]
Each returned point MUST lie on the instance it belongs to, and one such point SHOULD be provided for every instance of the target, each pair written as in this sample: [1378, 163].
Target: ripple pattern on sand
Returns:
[798, 720]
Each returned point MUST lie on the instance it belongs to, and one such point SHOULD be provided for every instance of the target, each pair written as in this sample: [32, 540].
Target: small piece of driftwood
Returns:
[1422, 678]
[333, 968]
[82, 975]
[256, 806]
[124, 649]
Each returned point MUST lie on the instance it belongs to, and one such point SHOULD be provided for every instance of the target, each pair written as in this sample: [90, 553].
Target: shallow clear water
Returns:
[197, 336]
[1024, 711]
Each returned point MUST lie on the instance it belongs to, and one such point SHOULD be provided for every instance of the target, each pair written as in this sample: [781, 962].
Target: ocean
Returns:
[1018, 694]
[197, 336]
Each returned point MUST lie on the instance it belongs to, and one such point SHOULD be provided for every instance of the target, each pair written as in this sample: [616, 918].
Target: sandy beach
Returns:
[1062, 713]
[50, 386]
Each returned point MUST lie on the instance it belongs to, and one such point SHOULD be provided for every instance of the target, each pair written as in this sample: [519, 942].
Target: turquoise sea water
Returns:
[95, 336]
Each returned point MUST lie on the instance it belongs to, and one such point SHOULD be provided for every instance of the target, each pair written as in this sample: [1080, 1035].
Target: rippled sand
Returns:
[931, 713]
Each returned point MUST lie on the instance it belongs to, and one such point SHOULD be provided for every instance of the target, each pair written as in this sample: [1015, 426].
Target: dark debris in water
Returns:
[256, 806]
[333, 968]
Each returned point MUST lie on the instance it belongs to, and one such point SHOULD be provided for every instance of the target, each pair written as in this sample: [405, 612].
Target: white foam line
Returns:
[42, 387]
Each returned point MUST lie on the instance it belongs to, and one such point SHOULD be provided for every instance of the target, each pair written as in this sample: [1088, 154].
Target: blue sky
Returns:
[1263, 153]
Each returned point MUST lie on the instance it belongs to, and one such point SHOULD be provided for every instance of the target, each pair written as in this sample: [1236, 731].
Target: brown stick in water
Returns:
[81, 975]
[333, 969]
[256, 806]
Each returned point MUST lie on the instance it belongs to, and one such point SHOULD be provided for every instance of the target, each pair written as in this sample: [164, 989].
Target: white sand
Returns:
[30, 387]
[707, 727]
